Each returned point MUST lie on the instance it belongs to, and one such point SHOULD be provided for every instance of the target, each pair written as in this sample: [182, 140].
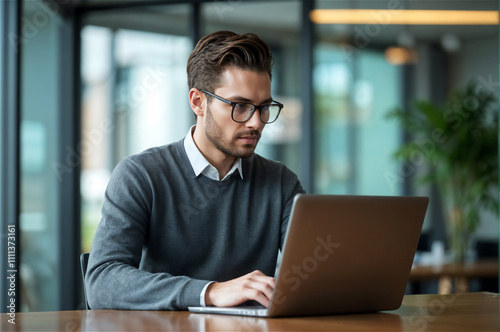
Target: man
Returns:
[199, 221]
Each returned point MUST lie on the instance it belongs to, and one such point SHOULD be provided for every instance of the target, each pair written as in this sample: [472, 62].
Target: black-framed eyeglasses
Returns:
[242, 112]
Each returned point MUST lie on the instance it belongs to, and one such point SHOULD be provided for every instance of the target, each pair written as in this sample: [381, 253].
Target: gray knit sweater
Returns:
[165, 233]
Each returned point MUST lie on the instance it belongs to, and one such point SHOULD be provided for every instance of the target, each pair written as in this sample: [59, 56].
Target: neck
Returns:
[221, 161]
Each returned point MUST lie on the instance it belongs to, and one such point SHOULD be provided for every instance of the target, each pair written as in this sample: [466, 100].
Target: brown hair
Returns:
[220, 50]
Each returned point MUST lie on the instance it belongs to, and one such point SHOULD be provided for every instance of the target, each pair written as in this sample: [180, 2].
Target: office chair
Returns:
[84, 260]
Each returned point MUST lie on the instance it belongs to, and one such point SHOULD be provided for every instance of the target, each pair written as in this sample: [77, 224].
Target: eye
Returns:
[265, 108]
[242, 107]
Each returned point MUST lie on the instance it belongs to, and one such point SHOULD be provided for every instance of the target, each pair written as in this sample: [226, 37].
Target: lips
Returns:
[249, 139]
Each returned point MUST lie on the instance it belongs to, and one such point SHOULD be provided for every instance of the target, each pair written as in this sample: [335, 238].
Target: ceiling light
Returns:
[404, 17]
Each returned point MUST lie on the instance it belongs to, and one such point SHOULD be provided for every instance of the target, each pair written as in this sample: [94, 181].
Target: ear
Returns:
[197, 101]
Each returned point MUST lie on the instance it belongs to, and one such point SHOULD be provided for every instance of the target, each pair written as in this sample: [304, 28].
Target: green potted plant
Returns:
[459, 144]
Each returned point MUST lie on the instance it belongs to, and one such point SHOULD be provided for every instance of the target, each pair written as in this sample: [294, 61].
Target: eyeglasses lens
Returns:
[268, 113]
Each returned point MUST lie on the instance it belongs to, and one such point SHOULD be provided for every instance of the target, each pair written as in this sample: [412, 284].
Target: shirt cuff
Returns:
[202, 295]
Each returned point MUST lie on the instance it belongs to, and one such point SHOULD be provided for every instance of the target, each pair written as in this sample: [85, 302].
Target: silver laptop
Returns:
[343, 254]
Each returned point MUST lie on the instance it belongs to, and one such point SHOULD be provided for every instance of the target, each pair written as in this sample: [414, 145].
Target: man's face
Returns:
[234, 139]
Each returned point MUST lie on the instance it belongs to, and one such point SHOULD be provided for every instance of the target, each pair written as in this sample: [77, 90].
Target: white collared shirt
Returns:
[201, 165]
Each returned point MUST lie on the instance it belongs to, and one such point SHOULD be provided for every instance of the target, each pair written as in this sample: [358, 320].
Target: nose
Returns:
[254, 122]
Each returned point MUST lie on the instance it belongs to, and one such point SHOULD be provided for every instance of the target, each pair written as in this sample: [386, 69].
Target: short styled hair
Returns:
[216, 52]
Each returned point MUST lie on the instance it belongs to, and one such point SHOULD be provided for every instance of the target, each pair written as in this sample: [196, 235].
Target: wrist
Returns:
[208, 294]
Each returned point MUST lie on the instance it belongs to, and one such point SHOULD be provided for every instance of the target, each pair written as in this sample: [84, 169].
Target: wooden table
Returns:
[454, 312]
[460, 273]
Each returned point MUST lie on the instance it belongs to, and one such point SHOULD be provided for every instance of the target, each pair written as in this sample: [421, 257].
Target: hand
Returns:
[252, 286]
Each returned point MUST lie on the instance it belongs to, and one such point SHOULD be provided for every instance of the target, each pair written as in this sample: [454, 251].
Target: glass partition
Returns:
[39, 182]
[355, 141]
[134, 93]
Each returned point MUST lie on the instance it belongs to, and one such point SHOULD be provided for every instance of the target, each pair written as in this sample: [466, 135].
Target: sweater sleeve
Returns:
[114, 279]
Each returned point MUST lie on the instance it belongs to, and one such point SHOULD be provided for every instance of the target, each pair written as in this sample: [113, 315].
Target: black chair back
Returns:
[84, 260]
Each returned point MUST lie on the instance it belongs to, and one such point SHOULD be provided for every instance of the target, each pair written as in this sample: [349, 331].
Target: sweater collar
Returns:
[201, 165]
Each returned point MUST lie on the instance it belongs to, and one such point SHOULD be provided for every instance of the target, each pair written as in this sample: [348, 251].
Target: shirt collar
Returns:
[201, 165]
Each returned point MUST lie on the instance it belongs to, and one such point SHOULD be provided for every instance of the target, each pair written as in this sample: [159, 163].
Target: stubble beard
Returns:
[215, 136]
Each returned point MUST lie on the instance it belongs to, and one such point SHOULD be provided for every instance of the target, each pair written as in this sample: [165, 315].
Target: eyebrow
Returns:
[240, 99]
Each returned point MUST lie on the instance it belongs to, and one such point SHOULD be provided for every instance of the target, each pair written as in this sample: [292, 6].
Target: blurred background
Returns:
[89, 82]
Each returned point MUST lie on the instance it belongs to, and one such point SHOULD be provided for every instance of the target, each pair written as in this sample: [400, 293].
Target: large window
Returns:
[134, 93]
[355, 141]
[40, 171]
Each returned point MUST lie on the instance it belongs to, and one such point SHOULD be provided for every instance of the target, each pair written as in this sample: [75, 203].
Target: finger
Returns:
[252, 286]
[257, 275]
[270, 281]
[260, 291]
[256, 295]
[266, 284]
[265, 301]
